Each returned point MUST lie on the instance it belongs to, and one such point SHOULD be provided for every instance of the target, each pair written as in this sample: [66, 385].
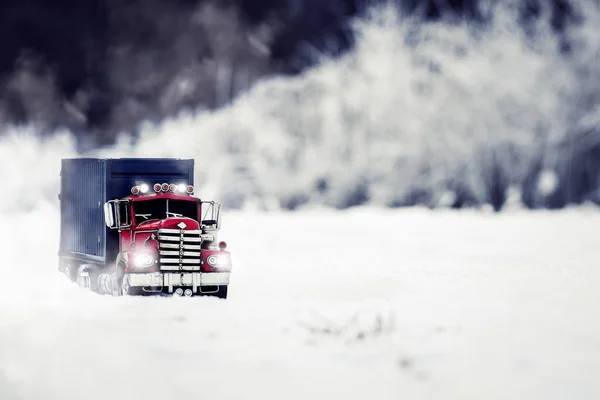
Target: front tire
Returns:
[132, 291]
[119, 286]
[221, 292]
[123, 287]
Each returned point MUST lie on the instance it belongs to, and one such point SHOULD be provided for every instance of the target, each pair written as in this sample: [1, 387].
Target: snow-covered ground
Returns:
[357, 304]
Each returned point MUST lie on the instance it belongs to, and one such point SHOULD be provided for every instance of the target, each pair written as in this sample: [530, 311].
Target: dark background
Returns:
[99, 67]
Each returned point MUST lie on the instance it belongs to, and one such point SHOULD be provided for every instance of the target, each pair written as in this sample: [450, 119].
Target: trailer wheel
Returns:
[70, 271]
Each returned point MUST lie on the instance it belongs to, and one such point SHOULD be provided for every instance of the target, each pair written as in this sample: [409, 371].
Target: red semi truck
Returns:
[134, 227]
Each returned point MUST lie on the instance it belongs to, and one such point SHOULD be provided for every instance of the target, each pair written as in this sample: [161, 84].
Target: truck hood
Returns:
[169, 223]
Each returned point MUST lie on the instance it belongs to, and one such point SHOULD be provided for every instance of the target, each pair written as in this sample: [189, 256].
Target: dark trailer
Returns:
[87, 183]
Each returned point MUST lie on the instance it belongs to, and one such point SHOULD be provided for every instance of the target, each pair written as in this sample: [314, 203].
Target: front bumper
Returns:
[160, 280]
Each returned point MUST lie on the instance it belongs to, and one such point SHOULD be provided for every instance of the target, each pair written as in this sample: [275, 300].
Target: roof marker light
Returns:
[144, 188]
[157, 187]
[172, 187]
[181, 188]
[135, 190]
[190, 189]
[165, 187]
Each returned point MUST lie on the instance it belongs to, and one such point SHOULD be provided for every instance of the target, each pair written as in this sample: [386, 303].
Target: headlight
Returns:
[142, 260]
[218, 260]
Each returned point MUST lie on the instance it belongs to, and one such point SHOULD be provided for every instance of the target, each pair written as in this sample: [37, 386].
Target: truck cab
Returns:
[126, 231]
[168, 242]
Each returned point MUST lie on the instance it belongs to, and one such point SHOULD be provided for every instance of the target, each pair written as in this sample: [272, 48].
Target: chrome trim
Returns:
[175, 268]
[169, 238]
[145, 231]
[179, 231]
[178, 253]
[179, 246]
[190, 261]
[169, 260]
[192, 279]
[169, 245]
[137, 280]
[169, 231]
[177, 261]
[215, 278]
[178, 238]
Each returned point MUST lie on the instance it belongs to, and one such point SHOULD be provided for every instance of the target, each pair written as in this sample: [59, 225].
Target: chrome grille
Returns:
[179, 250]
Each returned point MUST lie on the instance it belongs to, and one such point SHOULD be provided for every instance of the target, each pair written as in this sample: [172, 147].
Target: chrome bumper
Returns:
[184, 279]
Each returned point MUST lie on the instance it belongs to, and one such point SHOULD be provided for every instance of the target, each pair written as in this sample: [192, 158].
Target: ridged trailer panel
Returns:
[82, 195]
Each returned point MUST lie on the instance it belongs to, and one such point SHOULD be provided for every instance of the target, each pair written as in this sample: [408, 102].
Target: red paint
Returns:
[139, 237]
[208, 268]
[169, 223]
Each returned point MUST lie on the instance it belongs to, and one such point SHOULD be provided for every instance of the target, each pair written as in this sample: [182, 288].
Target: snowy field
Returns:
[357, 304]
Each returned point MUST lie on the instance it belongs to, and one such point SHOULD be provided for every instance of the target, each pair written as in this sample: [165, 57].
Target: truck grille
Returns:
[179, 250]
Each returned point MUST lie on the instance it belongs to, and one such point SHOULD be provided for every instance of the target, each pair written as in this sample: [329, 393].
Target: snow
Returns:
[350, 304]
[362, 303]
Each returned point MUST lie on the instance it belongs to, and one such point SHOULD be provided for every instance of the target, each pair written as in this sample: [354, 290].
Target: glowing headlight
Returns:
[143, 260]
[218, 260]
[144, 188]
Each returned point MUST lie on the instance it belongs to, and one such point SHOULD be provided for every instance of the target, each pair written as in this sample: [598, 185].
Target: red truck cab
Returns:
[167, 243]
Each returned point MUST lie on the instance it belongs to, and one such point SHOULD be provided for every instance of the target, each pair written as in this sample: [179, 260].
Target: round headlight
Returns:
[217, 260]
[143, 260]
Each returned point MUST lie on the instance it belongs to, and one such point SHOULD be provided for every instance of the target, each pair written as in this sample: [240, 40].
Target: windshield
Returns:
[164, 208]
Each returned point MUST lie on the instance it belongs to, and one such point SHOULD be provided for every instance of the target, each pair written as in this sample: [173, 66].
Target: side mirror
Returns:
[109, 215]
[211, 211]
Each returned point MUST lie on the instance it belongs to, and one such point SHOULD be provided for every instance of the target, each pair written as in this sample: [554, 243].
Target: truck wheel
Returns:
[118, 282]
[123, 287]
[221, 292]
[132, 291]
[70, 271]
